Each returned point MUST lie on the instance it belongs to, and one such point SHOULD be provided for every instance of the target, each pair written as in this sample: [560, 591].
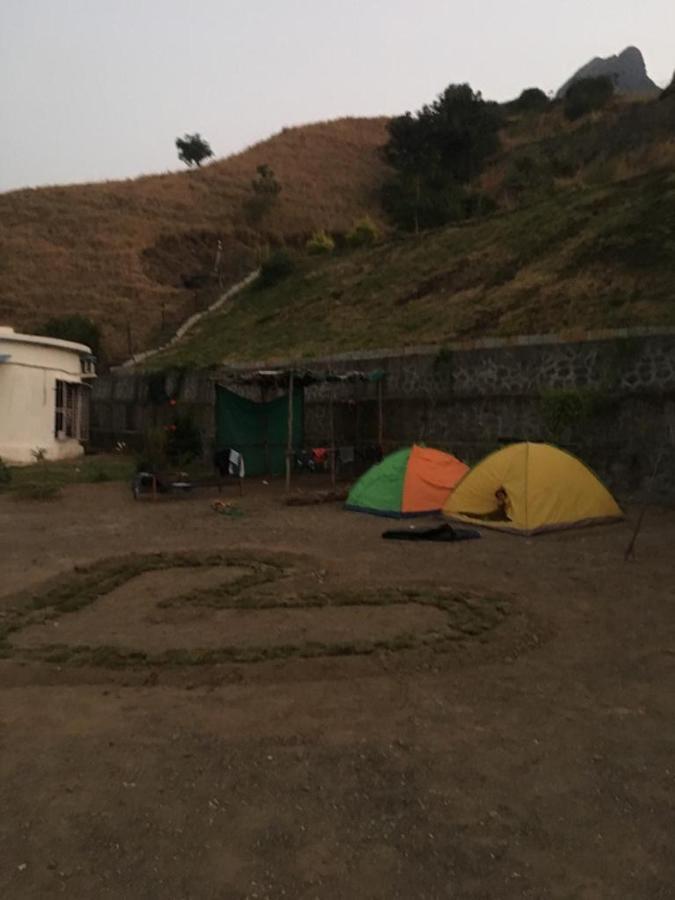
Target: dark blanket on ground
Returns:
[442, 532]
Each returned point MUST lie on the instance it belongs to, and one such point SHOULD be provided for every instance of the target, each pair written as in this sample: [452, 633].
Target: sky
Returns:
[93, 90]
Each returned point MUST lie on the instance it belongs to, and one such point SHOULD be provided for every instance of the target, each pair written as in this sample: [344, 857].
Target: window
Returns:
[71, 414]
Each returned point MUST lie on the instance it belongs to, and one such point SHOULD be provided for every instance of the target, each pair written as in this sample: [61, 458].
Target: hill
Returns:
[138, 255]
[627, 70]
[130, 254]
[596, 258]
[585, 238]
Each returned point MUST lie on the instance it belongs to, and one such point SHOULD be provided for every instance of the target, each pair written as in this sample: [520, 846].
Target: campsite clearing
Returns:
[285, 705]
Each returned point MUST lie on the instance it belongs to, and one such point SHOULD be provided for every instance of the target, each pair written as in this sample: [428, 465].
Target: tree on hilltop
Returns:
[192, 149]
[435, 152]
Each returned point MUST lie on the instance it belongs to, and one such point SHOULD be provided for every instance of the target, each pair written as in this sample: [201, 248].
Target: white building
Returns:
[44, 397]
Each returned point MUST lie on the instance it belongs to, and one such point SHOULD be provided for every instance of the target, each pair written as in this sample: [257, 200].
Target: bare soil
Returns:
[530, 757]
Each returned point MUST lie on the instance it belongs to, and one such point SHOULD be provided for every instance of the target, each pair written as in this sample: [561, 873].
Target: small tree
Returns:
[587, 94]
[192, 149]
[77, 328]
[442, 146]
[266, 190]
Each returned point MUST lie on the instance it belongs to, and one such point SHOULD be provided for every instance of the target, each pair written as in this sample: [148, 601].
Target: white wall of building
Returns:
[30, 367]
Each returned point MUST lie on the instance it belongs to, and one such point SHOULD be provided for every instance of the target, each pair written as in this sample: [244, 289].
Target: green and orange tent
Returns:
[414, 481]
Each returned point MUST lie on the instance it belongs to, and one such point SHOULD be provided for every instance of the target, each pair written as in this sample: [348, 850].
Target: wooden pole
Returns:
[380, 416]
[289, 444]
[266, 445]
[332, 439]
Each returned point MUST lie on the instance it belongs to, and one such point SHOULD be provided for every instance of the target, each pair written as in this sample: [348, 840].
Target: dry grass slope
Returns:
[124, 252]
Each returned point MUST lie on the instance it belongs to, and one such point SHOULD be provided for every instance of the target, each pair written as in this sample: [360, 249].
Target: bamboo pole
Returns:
[289, 444]
[380, 415]
[332, 439]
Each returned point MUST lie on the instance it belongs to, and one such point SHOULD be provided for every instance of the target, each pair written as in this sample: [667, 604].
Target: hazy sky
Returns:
[97, 89]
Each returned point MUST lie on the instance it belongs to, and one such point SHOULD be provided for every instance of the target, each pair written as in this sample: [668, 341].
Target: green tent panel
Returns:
[380, 490]
[259, 431]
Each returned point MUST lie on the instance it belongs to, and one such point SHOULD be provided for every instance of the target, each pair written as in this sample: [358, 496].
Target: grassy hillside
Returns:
[129, 253]
[583, 237]
[589, 257]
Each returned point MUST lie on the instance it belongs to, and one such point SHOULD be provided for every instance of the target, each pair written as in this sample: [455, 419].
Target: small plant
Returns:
[364, 233]
[278, 265]
[320, 243]
[5, 473]
[39, 454]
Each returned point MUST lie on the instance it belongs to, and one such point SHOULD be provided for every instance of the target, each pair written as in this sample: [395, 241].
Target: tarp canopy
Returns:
[413, 481]
[302, 377]
[527, 488]
[259, 431]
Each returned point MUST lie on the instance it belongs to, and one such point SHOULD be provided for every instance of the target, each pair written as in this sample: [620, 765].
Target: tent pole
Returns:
[380, 416]
[289, 444]
[332, 439]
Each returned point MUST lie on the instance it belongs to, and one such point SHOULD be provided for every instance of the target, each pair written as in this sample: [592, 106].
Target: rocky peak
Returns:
[627, 70]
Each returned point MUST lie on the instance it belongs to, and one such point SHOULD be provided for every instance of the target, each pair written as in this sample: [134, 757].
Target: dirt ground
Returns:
[399, 747]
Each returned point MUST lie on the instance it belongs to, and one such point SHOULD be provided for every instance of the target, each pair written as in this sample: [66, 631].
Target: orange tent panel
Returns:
[429, 479]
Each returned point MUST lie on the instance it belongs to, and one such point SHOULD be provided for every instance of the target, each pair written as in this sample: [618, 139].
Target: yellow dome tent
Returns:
[527, 488]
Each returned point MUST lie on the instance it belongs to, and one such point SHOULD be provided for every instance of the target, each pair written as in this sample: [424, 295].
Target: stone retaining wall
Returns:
[609, 397]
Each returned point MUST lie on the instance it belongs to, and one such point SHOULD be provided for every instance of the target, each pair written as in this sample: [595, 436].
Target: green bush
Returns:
[5, 473]
[77, 328]
[586, 95]
[278, 265]
[364, 233]
[531, 100]
[320, 243]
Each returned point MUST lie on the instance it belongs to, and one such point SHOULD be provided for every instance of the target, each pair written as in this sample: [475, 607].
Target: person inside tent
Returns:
[501, 514]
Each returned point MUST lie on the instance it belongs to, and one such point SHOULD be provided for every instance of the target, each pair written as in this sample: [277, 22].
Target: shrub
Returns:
[5, 472]
[184, 442]
[587, 94]
[363, 234]
[77, 328]
[278, 265]
[320, 243]
[531, 100]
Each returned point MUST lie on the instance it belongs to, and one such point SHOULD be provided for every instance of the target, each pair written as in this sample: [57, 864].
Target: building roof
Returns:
[8, 334]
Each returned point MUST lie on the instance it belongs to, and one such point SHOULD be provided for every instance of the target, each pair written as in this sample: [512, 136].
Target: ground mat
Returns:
[443, 532]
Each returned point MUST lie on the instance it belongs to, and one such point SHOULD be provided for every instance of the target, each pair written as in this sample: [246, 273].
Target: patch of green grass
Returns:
[35, 490]
[466, 615]
[583, 257]
[59, 474]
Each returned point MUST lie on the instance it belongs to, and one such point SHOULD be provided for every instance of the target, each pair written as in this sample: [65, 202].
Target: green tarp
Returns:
[258, 430]
[380, 490]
